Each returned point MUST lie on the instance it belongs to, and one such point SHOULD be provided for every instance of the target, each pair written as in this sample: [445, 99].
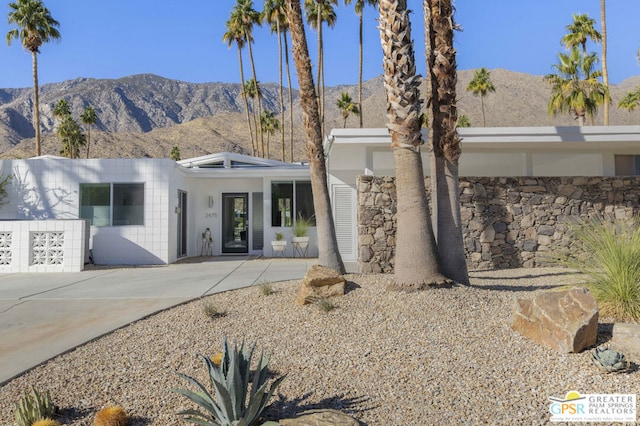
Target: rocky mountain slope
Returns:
[146, 115]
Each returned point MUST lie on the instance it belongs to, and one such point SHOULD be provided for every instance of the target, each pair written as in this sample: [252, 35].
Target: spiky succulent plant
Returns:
[34, 407]
[608, 359]
[241, 394]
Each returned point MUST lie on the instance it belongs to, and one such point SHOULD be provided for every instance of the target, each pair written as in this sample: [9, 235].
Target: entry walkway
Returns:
[44, 315]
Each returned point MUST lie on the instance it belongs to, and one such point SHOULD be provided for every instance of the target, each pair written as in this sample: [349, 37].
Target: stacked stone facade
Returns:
[507, 222]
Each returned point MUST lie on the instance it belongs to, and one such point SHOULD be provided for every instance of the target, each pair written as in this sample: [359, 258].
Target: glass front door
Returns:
[235, 226]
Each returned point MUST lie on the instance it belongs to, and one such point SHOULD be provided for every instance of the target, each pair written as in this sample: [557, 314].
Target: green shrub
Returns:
[241, 394]
[266, 288]
[301, 227]
[32, 408]
[322, 303]
[211, 311]
[609, 256]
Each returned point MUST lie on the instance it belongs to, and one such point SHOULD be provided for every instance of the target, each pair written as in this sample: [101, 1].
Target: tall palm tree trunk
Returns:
[286, 58]
[416, 258]
[320, 7]
[328, 253]
[360, 69]
[36, 102]
[605, 72]
[246, 103]
[281, 89]
[88, 139]
[258, 96]
[484, 121]
[443, 137]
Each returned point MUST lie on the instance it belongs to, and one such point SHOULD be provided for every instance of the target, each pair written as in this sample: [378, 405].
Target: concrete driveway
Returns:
[44, 315]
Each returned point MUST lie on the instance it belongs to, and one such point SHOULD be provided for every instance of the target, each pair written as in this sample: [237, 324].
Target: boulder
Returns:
[626, 339]
[564, 320]
[321, 418]
[320, 281]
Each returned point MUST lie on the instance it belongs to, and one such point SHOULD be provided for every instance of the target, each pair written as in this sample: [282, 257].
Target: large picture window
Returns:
[289, 201]
[117, 204]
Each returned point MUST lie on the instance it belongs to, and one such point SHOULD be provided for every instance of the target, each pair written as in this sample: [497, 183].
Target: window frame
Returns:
[113, 208]
[295, 204]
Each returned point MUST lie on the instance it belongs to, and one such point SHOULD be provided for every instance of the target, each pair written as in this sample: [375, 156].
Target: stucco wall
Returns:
[48, 188]
[507, 222]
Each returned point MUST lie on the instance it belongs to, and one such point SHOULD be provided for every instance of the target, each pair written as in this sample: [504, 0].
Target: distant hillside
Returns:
[146, 115]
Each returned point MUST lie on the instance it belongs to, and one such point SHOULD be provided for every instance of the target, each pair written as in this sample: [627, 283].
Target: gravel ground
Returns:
[440, 356]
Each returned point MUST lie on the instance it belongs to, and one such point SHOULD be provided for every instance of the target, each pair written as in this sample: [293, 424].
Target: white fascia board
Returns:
[247, 172]
[518, 138]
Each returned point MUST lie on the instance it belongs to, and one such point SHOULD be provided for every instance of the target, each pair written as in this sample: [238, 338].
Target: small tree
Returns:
[347, 107]
[270, 125]
[175, 154]
[71, 137]
[481, 85]
[4, 181]
[463, 121]
[89, 117]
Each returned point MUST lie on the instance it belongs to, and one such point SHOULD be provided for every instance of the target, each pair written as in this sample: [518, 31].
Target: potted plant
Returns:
[279, 245]
[300, 239]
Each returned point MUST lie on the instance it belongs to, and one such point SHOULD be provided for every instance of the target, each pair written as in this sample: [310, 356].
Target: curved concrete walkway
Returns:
[44, 315]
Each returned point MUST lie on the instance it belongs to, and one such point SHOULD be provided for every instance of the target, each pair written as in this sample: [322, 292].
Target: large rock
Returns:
[320, 281]
[626, 339]
[565, 320]
[321, 418]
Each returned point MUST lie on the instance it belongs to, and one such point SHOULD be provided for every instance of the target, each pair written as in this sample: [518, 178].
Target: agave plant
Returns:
[610, 360]
[241, 394]
[32, 408]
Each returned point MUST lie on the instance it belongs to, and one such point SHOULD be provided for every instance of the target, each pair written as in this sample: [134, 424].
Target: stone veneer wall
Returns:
[507, 222]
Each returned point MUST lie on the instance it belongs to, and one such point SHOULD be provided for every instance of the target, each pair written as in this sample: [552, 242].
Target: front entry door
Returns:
[182, 223]
[235, 226]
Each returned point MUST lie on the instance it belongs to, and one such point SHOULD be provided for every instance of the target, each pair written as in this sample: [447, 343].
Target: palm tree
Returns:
[579, 31]
[630, 101]
[71, 136]
[252, 89]
[269, 125]
[245, 17]
[347, 107]
[36, 26]
[89, 117]
[443, 137]
[576, 88]
[481, 85]
[583, 29]
[328, 253]
[61, 109]
[234, 34]
[175, 154]
[605, 72]
[359, 7]
[275, 14]
[463, 121]
[319, 11]
[417, 262]
[289, 90]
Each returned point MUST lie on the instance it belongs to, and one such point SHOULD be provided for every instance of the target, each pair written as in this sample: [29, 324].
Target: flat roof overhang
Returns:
[487, 139]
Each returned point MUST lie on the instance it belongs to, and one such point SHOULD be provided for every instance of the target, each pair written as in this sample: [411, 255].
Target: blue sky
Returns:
[183, 40]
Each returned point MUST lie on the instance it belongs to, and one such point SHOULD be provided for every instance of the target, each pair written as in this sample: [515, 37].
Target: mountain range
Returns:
[147, 115]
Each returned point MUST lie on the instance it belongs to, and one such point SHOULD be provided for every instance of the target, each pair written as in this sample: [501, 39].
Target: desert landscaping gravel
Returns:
[439, 356]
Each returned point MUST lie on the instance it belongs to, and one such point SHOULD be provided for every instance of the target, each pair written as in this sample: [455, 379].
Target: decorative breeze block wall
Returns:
[43, 245]
[507, 222]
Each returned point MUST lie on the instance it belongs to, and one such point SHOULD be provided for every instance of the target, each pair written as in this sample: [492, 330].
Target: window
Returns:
[627, 165]
[117, 204]
[290, 200]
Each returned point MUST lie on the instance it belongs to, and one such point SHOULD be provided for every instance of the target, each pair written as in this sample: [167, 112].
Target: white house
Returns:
[155, 211]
